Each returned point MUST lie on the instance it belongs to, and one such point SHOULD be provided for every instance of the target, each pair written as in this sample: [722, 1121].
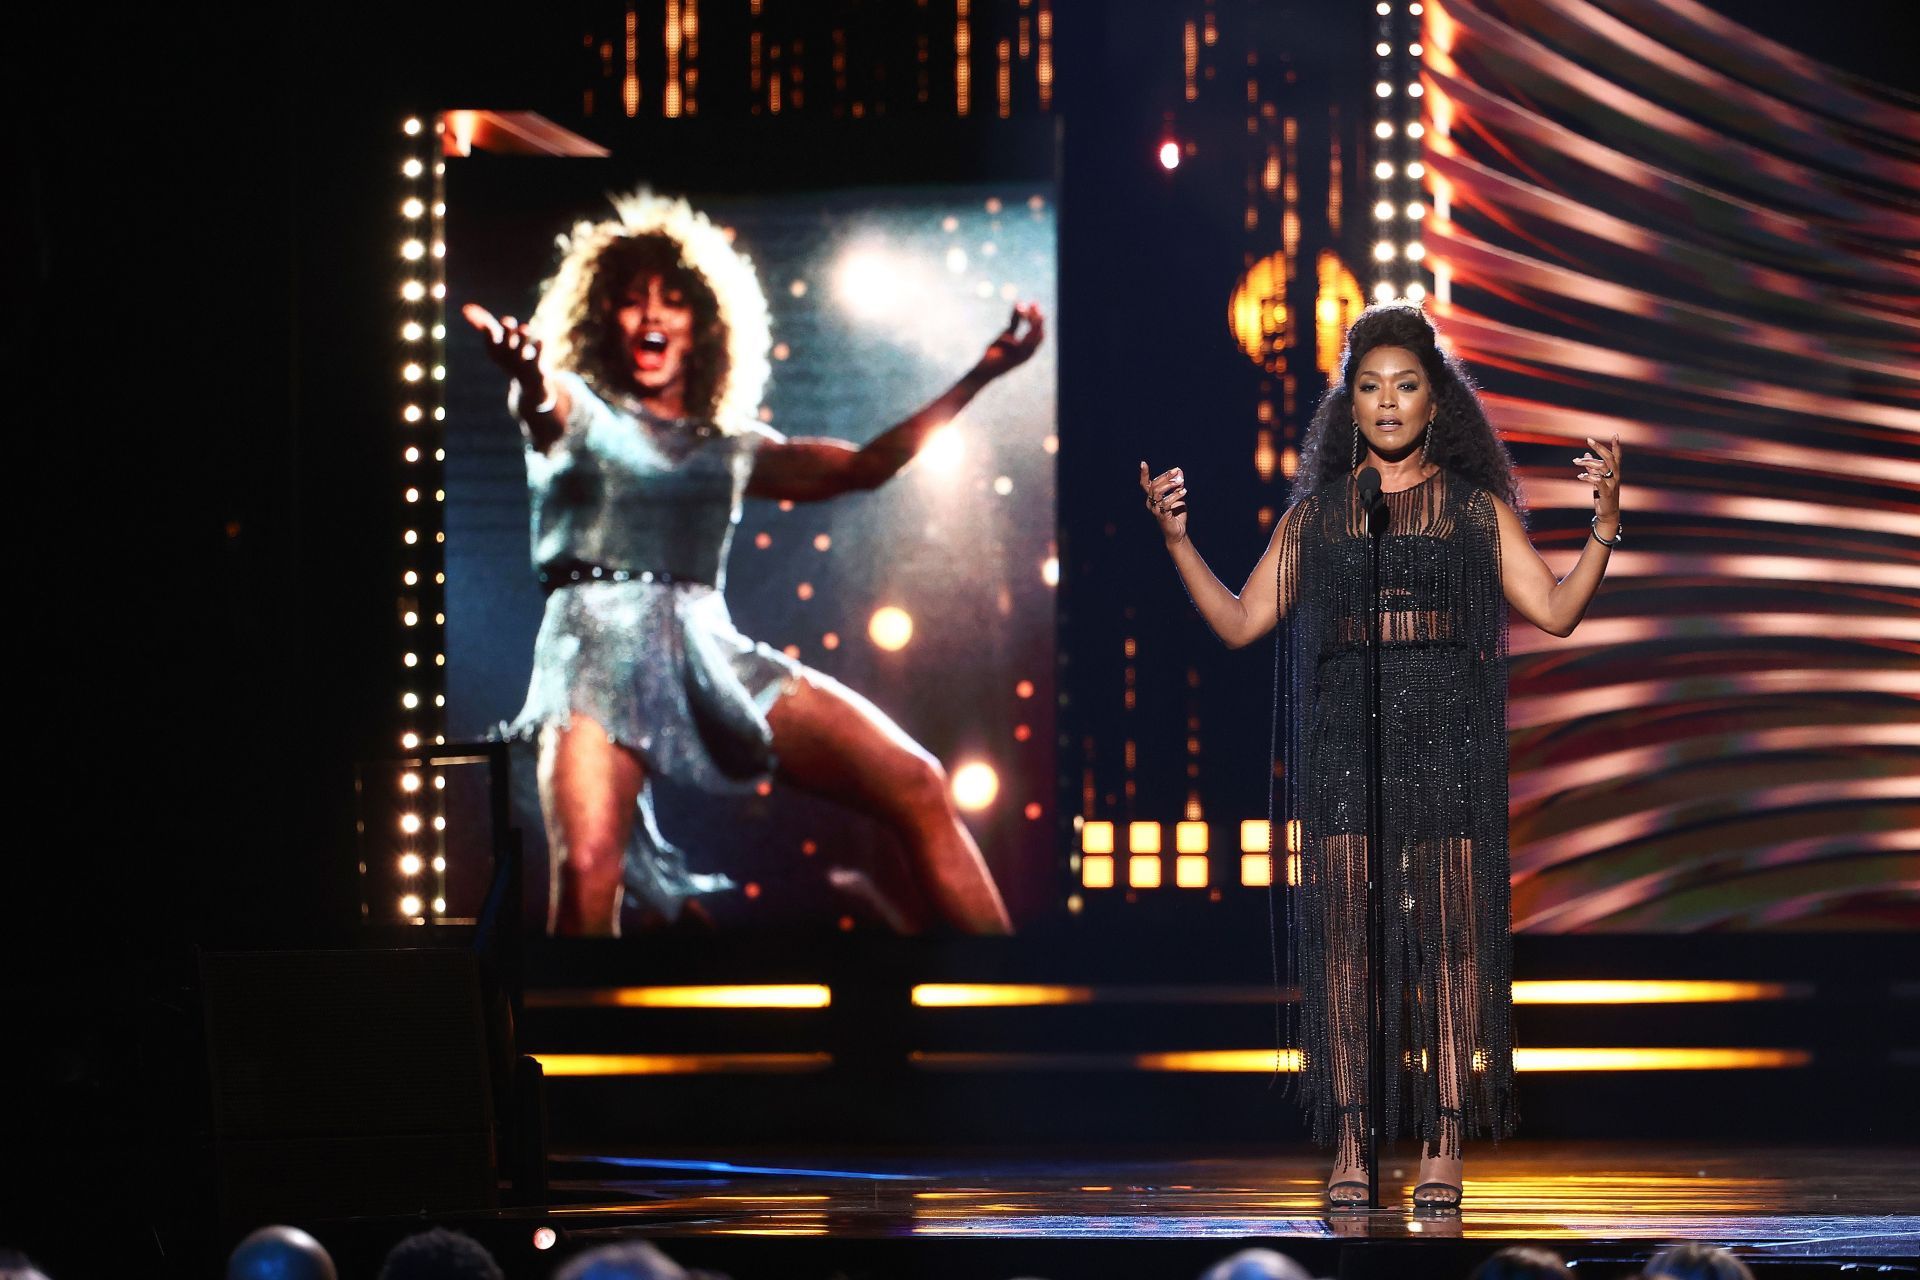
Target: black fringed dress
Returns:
[1444, 800]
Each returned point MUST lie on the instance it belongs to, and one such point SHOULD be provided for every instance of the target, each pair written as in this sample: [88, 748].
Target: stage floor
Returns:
[1799, 1202]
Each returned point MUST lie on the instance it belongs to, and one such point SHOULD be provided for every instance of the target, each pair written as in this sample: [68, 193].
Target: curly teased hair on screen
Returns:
[659, 235]
[1463, 441]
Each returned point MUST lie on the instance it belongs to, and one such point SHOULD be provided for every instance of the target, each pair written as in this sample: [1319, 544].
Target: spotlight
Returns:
[1169, 155]
[412, 127]
[544, 1238]
[868, 282]
[974, 786]
[943, 450]
[890, 628]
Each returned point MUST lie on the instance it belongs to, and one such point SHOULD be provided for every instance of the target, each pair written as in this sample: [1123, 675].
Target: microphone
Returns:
[1372, 500]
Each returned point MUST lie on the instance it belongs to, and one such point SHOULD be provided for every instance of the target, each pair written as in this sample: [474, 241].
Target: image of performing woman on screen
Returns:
[636, 384]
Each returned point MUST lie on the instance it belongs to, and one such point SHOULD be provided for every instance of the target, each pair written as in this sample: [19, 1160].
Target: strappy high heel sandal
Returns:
[1441, 1197]
[1348, 1202]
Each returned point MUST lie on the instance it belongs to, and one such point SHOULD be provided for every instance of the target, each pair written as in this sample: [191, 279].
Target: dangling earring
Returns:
[1353, 454]
[1426, 442]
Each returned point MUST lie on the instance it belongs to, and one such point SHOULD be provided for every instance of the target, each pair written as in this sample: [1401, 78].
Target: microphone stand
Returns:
[1376, 512]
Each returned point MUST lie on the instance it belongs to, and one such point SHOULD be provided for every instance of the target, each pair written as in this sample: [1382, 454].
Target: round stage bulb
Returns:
[413, 208]
[1383, 292]
[1169, 155]
[413, 291]
[1383, 210]
[1415, 50]
[943, 449]
[412, 126]
[869, 283]
[439, 906]
[1383, 8]
[1416, 170]
[1383, 170]
[412, 331]
[1416, 251]
[409, 781]
[409, 864]
[974, 786]
[412, 168]
[410, 905]
[1383, 252]
[1383, 89]
[409, 740]
[1383, 48]
[544, 1238]
[1415, 90]
[410, 823]
[1416, 130]
[1416, 292]
[1416, 211]
[890, 628]
[1384, 129]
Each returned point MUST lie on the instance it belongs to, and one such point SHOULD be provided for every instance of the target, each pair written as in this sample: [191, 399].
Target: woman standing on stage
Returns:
[1454, 556]
[636, 385]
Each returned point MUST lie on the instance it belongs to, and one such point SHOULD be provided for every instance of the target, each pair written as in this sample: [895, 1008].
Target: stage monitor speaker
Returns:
[348, 1083]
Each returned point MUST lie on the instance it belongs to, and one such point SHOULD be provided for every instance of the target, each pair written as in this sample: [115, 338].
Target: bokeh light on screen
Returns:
[872, 283]
[975, 786]
[890, 628]
[944, 450]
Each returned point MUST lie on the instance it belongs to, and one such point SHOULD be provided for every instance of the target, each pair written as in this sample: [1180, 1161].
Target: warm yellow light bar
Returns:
[979, 995]
[1658, 1059]
[1261, 1061]
[1651, 992]
[1218, 1060]
[680, 1064]
[785, 996]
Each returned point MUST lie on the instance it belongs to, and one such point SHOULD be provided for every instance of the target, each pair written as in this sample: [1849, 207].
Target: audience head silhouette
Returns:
[1695, 1260]
[1519, 1262]
[634, 1261]
[440, 1254]
[280, 1253]
[1256, 1264]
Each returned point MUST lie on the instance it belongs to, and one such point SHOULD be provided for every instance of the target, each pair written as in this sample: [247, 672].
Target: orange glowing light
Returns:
[1096, 871]
[1096, 837]
[1190, 871]
[1143, 837]
[975, 786]
[1143, 872]
[890, 628]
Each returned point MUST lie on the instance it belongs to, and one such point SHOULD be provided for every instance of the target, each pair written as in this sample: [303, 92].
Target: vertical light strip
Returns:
[962, 57]
[420, 847]
[1399, 254]
[674, 36]
[1043, 65]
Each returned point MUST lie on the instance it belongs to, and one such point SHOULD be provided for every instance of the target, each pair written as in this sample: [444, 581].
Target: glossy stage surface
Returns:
[1779, 1202]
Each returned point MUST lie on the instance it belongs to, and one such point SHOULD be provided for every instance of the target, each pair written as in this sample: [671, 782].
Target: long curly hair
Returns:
[656, 235]
[1461, 439]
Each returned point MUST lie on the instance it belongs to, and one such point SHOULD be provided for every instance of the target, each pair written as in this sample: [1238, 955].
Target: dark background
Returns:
[197, 206]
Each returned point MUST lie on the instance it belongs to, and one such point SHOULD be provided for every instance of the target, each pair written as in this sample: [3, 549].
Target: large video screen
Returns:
[822, 636]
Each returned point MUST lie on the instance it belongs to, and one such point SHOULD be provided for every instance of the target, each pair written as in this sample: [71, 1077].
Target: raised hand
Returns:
[1600, 467]
[1166, 500]
[1016, 343]
[510, 346]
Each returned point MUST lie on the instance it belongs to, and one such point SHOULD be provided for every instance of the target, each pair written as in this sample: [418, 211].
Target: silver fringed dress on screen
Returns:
[632, 519]
[1447, 973]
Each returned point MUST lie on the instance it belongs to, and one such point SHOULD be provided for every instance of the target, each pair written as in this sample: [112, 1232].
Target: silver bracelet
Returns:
[1619, 531]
